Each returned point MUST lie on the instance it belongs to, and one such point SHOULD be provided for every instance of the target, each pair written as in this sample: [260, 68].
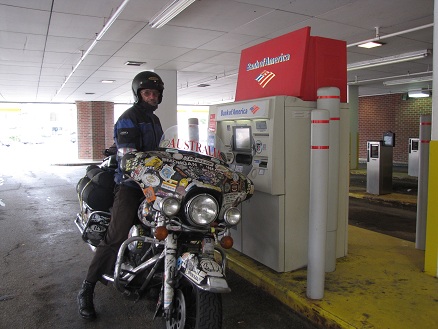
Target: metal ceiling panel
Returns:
[203, 43]
[12, 20]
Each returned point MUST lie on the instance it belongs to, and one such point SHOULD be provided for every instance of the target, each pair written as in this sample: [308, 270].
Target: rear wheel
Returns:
[194, 308]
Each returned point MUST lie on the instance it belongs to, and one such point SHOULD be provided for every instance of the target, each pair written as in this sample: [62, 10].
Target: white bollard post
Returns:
[423, 179]
[328, 98]
[193, 129]
[319, 171]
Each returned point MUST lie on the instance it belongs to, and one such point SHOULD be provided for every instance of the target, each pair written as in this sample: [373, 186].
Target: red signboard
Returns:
[294, 64]
[212, 123]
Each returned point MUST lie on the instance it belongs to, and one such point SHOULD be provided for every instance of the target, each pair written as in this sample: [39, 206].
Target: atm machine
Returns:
[379, 168]
[413, 157]
[274, 228]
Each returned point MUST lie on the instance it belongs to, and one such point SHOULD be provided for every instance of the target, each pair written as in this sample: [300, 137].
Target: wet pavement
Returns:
[393, 214]
[377, 285]
[44, 261]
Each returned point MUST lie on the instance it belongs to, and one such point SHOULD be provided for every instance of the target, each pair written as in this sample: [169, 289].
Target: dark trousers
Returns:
[123, 215]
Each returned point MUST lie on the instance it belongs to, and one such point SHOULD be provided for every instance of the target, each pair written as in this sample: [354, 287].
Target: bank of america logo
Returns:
[264, 78]
[254, 109]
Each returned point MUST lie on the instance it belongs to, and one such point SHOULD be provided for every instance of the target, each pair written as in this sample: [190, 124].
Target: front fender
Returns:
[203, 272]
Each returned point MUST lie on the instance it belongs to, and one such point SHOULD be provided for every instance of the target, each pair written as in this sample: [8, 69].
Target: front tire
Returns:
[194, 308]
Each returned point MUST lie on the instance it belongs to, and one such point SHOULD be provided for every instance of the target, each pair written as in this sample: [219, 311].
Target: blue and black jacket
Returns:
[137, 128]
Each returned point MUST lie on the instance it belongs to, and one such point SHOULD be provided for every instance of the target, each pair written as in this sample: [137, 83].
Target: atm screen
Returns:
[242, 139]
[414, 145]
[261, 125]
[374, 151]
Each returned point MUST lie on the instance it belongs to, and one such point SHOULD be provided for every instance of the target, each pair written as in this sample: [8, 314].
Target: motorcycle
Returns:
[191, 199]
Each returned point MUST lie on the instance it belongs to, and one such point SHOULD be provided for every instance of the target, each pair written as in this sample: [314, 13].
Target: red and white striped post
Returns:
[423, 181]
[319, 172]
[328, 98]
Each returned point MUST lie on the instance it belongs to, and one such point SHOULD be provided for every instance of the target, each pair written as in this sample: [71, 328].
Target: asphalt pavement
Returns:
[44, 260]
[393, 214]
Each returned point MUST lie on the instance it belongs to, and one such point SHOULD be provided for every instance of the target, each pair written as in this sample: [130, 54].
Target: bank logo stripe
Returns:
[254, 109]
[264, 78]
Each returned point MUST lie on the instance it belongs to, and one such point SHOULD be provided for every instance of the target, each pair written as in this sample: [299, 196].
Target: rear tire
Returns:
[195, 309]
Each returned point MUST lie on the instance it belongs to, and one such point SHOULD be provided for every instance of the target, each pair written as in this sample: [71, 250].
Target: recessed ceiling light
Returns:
[134, 63]
[108, 81]
[371, 44]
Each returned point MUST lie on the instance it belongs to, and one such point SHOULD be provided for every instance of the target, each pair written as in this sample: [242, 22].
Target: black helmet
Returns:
[147, 80]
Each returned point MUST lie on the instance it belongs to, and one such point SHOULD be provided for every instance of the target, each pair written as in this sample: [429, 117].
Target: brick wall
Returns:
[95, 128]
[379, 114]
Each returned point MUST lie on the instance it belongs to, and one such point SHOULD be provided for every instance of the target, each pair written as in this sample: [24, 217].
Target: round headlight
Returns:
[232, 216]
[202, 209]
[169, 206]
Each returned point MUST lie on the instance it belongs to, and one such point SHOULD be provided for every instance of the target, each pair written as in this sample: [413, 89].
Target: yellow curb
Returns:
[295, 299]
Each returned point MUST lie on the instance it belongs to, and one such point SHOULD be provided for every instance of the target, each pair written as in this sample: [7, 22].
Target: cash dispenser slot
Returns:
[245, 159]
[263, 164]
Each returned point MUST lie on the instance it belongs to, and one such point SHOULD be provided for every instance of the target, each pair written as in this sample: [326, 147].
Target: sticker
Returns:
[167, 172]
[170, 185]
[194, 276]
[177, 156]
[156, 205]
[211, 267]
[150, 180]
[153, 162]
[181, 171]
[149, 194]
[138, 172]
[259, 147]
[222, 168]
[184, 182]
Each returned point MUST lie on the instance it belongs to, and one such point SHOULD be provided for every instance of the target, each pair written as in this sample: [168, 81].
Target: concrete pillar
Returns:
[167, 109]
[353, 103]
[95, 129]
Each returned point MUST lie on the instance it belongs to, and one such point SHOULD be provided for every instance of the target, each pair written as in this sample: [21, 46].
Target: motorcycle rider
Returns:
[137, 129]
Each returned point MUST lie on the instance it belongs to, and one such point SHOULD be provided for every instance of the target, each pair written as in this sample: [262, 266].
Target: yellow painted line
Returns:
[268, 280]
[380, 278]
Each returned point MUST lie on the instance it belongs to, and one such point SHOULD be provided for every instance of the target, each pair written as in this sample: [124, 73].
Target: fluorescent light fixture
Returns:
[134, 63]
[389, 60]
[172, 9]
[371, 44]
[108, 81]
[95, 41]
[112, 20]
[407, 80]
[418, 93]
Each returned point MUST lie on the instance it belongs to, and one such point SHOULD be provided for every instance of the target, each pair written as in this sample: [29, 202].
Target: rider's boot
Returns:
[85, 300]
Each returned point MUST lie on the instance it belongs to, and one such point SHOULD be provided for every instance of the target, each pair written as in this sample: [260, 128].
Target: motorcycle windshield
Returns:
[189, 139]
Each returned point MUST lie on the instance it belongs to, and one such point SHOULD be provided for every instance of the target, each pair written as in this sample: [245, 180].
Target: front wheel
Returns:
[194, 308]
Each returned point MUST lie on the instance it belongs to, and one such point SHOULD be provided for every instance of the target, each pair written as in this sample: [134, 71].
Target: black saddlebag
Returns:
[96, 188]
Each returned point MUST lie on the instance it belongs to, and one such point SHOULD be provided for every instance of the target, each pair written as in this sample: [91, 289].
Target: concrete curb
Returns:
[395, 199]
[269, 282]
